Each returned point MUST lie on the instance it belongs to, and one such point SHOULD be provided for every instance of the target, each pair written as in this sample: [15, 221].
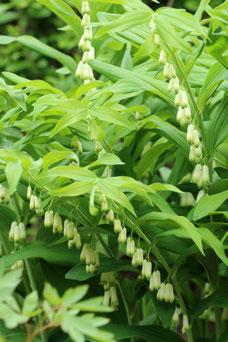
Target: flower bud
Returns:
[117, 226]
[130, 248]
[180, 115]
[48, 218]
[201, 193]
[122, 235]
[22, 232]
[78, 242]
[198, 153]
[167, 71]
[106, 299]
[79, 71]
[151, 284]
[196, 173]
[185, 326]
[191, 156]
[70, 231]
[57, 223]
[169, 295]
[205, 175]
[187, 112]
[171, 84]
[148, 270]
[32, 202]
[144, 268]
[17, 237]
[175, 318]
[156, 40]
[178, 98]
[161, 292]
[85, 7]
[84, 251]
[157, 280]
[184, 99]
[104, 206]
[29, 192]
[172, 71]
[85, 20]
[196, 138]
[3, 191]
[114, 298]
[71, 243]
[98, 146]
[90, 268]
[139, 256]
[88, 35]
[190, 133]
[86, 46]
[134, 260]
[152, 25]
[110, 215]
[176, 85]
[162, 57]
[187, 200]
[199, 182]
[37, 202]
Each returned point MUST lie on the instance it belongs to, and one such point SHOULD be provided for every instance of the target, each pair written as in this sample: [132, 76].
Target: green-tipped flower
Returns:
[196, 173]
[57, 224]
[169, 295]
[151, 284]
[205, 175]
[84, 252]
[32, 202]
[176, 84]
[185, 326]
[48, 218]
[161, 292]
[29, 192]
[122, 235]
[110, 216]
[196, 140]
[162, 57]
[146, 269]
[78, 242]
[114, 298]
[178, 98]
[130, 247]
[12, 230]
[171, 84]
[156, 40]
[85, 7]
[184, 99]
[139, 256]
[190, 134]
[117, 226]
[157, 280]
[106, 299]
[85, 20]
[22, 232]
[175, 318]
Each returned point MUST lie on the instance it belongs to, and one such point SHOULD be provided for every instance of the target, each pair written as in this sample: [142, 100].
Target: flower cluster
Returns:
[84, 71]
[91, 258]
[108, 280]
[17, 233]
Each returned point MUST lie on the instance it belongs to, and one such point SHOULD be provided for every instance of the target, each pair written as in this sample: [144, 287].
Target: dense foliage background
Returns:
[113, 170]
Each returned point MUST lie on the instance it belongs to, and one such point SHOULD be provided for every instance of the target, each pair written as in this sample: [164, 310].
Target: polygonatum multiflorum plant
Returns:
[114, 180]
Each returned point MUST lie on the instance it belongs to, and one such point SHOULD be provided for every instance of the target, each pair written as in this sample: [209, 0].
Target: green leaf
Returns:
[13, 174]
[168, 34]
[51, 294]
[55, 156]
[113, 192]
[218, 299]
[181, 221]
[112, 116]
[30, 303]
[72, 172]
[148, 333]
[9, 282]
[70, 118]
[107, 159]
[208, 205]
[72, 296]
[74, 189]
[124, 22]
[216, 74]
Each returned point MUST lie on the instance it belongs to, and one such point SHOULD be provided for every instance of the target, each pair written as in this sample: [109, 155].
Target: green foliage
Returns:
[113, 171]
